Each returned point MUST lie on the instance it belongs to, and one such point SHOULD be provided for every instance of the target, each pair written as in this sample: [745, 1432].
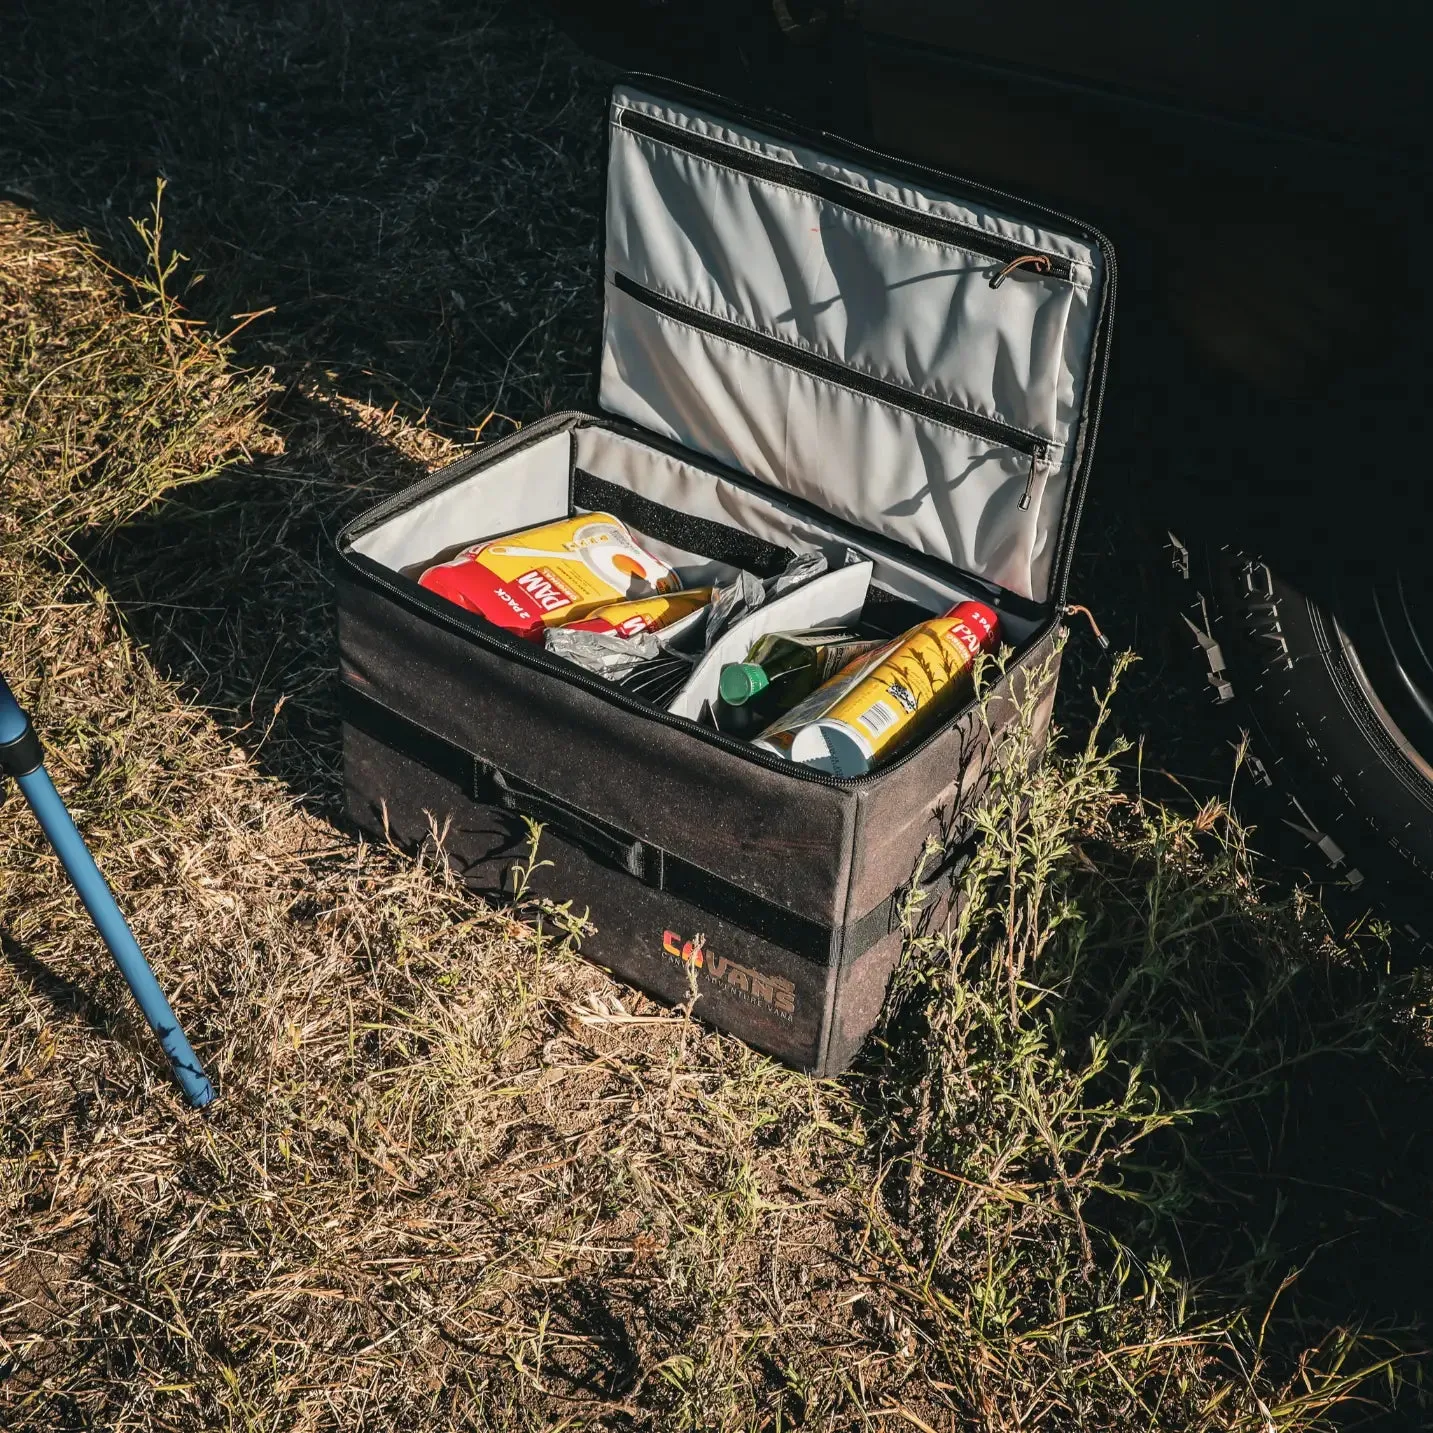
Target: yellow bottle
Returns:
[882, 702]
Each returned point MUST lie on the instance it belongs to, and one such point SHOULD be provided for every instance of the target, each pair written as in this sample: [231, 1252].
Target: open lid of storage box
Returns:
[904, 350]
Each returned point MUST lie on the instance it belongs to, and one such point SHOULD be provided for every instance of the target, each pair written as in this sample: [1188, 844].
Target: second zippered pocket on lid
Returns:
[993, 431]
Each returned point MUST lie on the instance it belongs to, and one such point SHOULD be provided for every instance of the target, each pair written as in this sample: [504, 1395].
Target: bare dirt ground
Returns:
[1139, 1145]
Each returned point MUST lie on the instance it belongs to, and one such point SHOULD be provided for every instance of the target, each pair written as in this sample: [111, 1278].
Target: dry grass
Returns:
[460, 1179]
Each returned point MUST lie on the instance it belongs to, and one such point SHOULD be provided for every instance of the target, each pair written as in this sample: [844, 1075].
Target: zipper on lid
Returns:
[1012, 255]
[988, 430]
[1036, 461]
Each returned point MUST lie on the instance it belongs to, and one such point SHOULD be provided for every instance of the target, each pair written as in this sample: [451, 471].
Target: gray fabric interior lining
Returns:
[921, 200]
[690, 489]
[525, 489]
[531, 486]
[902, 308]
[750, 414]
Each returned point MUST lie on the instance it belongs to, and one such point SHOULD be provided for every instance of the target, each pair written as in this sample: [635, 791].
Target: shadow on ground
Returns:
[228, 586]
[62, 994]
[412, 189]
[1331, 1178]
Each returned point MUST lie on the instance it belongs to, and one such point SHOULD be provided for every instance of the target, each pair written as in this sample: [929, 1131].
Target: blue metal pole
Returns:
[21, 757]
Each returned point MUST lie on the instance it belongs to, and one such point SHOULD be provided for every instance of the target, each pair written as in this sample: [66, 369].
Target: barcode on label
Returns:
[877, 719]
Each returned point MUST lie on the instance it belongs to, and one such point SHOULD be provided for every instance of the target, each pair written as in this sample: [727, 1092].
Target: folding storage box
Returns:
[807, 347]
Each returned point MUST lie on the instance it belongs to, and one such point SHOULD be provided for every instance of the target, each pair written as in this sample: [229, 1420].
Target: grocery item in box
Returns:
[550, 575]
[880, 702]
[780, 669]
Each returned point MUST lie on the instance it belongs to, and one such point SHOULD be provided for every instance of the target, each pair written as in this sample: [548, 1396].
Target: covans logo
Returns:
[769, 990]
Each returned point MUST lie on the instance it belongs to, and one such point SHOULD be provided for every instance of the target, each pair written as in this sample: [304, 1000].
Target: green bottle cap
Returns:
[740, 681]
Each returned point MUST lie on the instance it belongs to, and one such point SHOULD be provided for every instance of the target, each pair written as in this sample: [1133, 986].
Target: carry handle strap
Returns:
[885, 918]
[663, 870]
[650, 864]
[603, 839]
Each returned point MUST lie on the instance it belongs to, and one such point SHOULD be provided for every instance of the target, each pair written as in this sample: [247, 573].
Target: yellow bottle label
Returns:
[886, 699]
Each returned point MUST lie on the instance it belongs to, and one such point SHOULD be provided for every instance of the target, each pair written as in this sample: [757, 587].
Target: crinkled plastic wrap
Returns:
[746, 592]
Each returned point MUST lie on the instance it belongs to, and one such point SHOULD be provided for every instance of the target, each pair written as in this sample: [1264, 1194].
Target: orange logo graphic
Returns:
[742, 980]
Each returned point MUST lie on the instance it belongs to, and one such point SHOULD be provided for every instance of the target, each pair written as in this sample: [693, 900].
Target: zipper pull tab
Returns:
[1074, 607]
[1039, 262]
[1036, 459]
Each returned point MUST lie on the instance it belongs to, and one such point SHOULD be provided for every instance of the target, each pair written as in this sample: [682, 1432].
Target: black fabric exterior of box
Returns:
[778, 891]
[790, 889]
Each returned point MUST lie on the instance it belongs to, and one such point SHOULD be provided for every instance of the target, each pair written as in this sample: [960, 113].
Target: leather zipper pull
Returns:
[1039, 262]
[1074, 608]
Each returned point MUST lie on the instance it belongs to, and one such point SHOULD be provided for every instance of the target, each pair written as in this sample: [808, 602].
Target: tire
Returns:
[1340, 752]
